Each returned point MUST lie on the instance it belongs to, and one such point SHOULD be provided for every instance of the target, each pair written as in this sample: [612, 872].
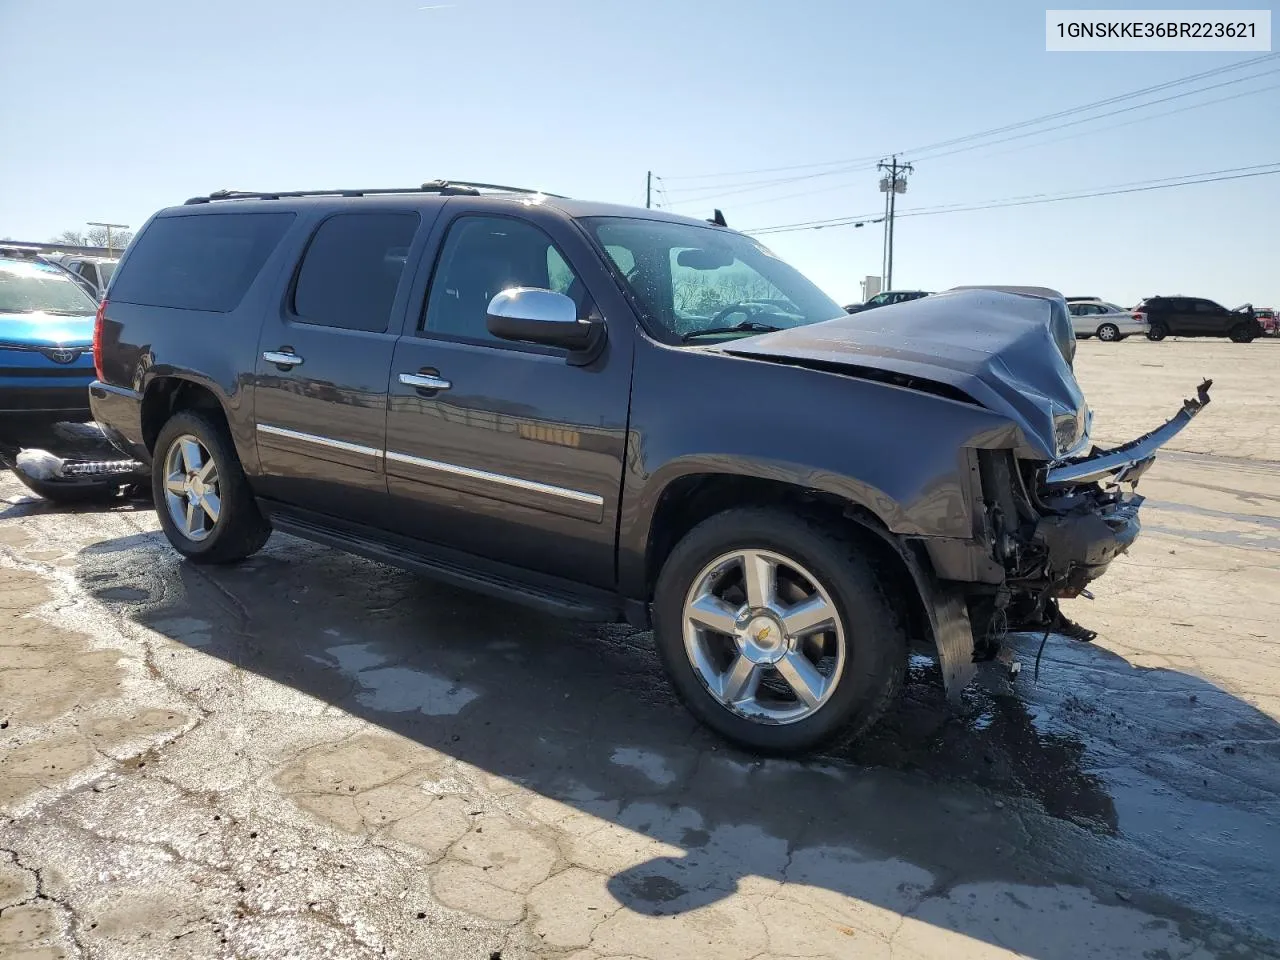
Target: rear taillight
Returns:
[1139, 316]
[97, 340]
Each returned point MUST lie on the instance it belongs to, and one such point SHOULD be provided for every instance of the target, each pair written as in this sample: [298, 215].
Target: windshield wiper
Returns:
[746, 326]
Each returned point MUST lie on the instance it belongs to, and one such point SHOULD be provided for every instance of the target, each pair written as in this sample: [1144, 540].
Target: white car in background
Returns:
[96, 271]
[1106, 321]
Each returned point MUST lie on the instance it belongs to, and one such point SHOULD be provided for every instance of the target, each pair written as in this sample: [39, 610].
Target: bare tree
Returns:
[97, 237]
[94, 237]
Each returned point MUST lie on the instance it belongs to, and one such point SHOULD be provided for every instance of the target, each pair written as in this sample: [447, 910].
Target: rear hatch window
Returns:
[200, 262]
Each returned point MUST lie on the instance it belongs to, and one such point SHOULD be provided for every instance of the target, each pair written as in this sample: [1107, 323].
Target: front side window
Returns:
[29, 288]
[352, 269]
[702, 283]
[481, 257]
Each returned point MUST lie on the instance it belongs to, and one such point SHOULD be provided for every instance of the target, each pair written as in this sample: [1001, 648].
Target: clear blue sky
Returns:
[112, 110]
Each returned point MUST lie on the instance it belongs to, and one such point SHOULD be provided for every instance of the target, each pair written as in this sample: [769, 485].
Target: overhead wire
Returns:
[1138, 186]
[1032, 121]
[1026, 146]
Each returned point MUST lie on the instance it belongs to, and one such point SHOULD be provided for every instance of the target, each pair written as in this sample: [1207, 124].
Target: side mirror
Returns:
[532, 315]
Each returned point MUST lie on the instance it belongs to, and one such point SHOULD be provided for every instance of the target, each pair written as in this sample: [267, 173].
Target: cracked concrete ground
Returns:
[310, 755]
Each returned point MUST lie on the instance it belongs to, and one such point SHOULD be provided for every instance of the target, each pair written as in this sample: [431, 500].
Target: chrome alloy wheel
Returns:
[191, 487]
[764, 636]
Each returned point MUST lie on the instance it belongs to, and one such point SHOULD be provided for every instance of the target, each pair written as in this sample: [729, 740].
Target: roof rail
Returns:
[444, 187]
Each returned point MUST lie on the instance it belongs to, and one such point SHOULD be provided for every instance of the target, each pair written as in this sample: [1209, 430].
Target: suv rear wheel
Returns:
[775, 631]
[1157, 331]
[202, 497]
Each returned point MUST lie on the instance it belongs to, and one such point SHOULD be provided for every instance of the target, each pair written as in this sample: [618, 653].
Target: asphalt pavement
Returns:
[312, 755]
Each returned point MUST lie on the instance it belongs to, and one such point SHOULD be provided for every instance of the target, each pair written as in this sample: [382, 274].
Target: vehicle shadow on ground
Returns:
[934, 799]
[34, 505]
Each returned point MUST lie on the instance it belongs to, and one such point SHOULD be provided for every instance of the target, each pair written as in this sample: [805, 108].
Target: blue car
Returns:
[46, 341]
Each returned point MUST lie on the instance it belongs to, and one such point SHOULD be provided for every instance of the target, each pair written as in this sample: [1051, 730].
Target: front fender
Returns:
[903, 455]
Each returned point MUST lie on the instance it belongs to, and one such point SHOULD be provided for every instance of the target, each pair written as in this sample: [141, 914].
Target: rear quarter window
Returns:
[202, 262]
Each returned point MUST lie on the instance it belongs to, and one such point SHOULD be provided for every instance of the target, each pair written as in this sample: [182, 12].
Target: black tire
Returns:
[1157, 331]
[876, 654]
[240, 530]
[1241, 333]
[1109, 333]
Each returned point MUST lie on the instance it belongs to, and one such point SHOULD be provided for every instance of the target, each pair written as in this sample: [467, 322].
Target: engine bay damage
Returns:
[1056, 527]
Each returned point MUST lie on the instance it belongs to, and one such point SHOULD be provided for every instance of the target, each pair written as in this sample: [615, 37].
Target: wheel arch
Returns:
[693, 498]
[166, 395]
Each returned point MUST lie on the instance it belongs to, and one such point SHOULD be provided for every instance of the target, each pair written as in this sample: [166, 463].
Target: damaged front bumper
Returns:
[1087, 516]
[1127, 462]
[1054, 528]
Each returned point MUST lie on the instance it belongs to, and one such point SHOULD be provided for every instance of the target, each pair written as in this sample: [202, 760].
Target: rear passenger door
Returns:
[323, 357]
[1180, 316]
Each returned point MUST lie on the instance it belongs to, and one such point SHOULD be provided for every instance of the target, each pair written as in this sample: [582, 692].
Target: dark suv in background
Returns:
[615, 413]
[1197, 317]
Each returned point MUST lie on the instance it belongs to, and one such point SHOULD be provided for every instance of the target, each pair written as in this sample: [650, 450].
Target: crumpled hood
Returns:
[46, 330]
[1005, 351]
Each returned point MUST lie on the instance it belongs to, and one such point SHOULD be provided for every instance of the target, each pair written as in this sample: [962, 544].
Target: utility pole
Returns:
[892, 185]
[648, 190]
[110, 227]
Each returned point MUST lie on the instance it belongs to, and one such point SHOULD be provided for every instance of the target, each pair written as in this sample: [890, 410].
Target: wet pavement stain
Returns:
[655, 890]
[990, 740]
[1250, 519]
[1227, 538]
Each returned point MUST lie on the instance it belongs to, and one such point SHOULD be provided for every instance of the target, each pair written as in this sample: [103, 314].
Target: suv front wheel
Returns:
[775, 631]
[1241, 333]
[203, 500]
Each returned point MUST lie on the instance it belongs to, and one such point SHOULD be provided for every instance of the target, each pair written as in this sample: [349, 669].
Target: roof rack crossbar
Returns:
[443, 187]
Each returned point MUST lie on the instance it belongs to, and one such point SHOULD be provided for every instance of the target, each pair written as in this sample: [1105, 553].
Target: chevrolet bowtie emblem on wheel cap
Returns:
[764, 634]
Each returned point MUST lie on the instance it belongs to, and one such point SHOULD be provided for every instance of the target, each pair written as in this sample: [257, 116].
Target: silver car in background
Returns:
[1106, 321]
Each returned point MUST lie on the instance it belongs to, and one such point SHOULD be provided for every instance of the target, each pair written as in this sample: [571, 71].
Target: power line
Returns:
[1026, 146]
[706, 193]
[1135, 120]
[1021, 200]
[1100, 116]
[733, 189]
[847, 164]
[1156, 88]
[1138, 186]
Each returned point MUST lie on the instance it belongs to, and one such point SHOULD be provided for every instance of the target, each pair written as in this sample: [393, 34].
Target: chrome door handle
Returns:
[423, 381]
[283, 359]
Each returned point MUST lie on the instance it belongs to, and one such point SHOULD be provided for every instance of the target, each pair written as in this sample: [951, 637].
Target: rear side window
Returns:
[352, 269]
[201, 262]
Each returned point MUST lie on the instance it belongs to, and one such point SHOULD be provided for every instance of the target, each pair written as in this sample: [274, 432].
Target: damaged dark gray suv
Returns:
[612, 413]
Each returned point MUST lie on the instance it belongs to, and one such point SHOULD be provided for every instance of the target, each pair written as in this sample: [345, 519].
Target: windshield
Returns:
[706, 282]
[29, 288]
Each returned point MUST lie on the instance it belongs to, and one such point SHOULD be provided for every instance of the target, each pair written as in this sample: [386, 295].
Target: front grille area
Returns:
[50, 369]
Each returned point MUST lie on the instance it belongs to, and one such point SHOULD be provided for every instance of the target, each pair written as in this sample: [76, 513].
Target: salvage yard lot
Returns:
[310, 755]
